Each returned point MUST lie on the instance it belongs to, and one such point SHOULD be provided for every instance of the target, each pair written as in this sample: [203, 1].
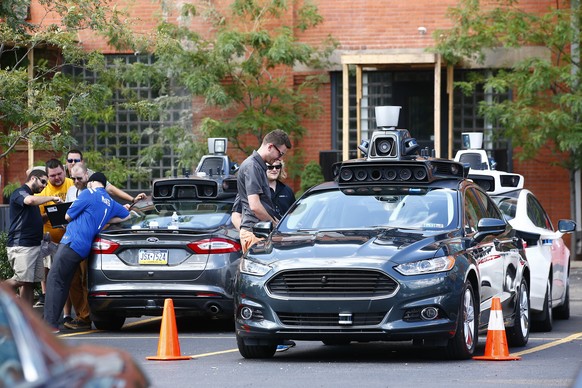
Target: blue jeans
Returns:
[58, 283]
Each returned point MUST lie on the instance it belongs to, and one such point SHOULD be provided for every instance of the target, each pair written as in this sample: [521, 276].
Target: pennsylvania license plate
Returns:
[153, 256]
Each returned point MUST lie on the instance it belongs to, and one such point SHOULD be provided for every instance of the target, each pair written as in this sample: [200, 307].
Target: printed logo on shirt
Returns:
[106, 201]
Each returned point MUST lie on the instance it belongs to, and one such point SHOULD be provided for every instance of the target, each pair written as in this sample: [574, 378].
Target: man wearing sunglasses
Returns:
[76, 156]
[25, 234]
[253, 186]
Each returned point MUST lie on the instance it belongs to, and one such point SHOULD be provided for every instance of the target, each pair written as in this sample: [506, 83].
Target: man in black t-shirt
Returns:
[253, 186]
[25, 234]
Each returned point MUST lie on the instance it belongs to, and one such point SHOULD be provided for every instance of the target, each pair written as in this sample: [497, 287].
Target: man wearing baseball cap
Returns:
[87, 216]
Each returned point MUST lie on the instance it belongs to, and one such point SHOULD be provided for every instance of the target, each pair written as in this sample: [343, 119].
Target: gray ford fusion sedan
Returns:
[179, 244]
[394, 249]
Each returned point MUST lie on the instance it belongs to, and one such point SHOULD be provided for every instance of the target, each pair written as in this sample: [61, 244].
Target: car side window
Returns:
[490, 210]
[537, 214]
[472, 210]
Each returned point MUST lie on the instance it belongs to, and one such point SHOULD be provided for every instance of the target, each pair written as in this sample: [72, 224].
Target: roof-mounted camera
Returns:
[388, 142]
[217, 162]
[483, 168]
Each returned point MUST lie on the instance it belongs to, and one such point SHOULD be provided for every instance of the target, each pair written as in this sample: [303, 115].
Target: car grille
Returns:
[329, 320]
[332, 284]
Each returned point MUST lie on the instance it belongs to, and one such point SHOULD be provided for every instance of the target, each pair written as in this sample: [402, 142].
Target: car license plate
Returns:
[153, 256]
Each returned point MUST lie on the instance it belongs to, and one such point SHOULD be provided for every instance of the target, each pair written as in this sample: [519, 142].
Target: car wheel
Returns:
[108, 322]
[546, 321]
[518, 334]
[336, 342]
[563, 311]
[462, 345]
[255, 351]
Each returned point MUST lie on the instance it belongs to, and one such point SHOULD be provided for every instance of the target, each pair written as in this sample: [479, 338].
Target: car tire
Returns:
[462, 345]
[518, 334]
[563, 311]
[255, 351]
[546, 321]
[108, 322]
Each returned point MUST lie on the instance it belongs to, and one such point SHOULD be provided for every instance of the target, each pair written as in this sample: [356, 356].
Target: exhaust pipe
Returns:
[213, 309]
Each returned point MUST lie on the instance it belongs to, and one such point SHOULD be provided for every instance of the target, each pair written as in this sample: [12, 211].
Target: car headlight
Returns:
[253, 268]
[438, 264]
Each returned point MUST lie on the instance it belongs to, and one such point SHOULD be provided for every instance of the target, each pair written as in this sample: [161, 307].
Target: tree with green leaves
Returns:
[40, 102]
[546, 106]
[244, 66]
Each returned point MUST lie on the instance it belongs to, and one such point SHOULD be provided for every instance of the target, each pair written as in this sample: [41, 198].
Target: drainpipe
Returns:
[575, 176]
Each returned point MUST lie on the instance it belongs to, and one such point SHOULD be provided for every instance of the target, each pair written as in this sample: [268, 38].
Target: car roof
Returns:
[454, 184]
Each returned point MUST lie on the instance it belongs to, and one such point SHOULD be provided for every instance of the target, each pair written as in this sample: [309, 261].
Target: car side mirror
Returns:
[489, 226]
[566, 226]
[263, 229]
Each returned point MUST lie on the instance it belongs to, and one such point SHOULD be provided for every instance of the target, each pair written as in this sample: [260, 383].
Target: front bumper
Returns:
[393, 318]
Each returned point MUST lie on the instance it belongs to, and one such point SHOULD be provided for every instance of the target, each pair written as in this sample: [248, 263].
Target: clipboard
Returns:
[56, 214]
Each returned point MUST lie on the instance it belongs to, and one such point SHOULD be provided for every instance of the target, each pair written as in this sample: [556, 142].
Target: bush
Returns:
[5, 267]
[310, 177]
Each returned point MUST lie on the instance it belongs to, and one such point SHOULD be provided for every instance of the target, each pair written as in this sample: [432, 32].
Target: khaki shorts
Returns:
[27, 264]
[47, 261]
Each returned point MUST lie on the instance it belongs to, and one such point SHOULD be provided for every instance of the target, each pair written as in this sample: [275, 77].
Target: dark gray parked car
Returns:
[396, 249]
[179, 244]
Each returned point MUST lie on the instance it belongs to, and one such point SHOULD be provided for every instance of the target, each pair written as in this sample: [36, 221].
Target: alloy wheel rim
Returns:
[469, 319]
[524, 312]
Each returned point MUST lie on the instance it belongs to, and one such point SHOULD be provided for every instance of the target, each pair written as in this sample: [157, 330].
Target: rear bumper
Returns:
[152, 304]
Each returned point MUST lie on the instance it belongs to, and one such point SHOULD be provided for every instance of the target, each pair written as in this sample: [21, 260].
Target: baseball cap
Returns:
[98, 177]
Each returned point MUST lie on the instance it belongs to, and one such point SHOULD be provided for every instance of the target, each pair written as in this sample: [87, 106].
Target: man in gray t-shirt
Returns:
[253, 185]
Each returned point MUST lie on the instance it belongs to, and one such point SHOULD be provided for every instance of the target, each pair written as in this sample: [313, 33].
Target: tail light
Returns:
[215, 245]
[103, 246]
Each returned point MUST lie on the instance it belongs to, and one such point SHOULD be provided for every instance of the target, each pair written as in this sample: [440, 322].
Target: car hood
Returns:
[396, 245]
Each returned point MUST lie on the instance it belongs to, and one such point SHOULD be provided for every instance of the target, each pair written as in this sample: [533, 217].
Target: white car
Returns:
[546, 252]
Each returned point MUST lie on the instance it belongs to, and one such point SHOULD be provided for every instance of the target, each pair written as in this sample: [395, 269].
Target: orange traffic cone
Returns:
[496, 346]
[168, 345]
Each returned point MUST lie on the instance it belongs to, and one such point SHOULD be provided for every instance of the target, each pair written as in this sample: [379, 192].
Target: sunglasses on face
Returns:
[73, 160]
[79, 179]
[43, 181]
[279, 151]
[276, 167]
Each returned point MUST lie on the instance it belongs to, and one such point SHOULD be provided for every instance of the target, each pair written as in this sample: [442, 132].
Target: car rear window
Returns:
[190, 215]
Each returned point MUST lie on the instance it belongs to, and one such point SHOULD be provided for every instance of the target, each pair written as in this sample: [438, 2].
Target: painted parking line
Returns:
[128, 325]
[213, 353]
[561, 341]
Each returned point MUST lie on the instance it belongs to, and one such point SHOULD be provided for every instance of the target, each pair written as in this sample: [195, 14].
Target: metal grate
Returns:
[317, 319]
[332, 283]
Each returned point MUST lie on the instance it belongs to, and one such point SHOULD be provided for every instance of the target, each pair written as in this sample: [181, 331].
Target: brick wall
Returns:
[356, 25]
[549, 182]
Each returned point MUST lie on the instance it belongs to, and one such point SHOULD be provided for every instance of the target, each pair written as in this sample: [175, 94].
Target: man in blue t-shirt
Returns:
[87, 216]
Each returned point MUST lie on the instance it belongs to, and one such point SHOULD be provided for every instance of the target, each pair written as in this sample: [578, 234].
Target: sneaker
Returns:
[40, 301]
[77, 324]
[67, 319]
[286, 345]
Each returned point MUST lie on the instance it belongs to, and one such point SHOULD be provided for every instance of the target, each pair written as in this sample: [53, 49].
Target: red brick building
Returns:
[385, 42]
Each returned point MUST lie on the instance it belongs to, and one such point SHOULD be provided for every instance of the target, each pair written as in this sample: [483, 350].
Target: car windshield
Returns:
[411, 208]
[190, 215]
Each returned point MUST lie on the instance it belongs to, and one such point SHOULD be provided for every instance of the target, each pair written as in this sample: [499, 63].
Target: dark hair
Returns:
[37, 173]
[277, 137]
[53, 163]
[75, 152]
